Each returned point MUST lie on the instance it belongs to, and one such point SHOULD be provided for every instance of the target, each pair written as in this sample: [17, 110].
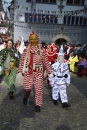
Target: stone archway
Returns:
[62, 38]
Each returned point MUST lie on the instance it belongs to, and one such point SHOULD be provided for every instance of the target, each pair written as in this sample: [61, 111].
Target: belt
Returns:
[65, 76]
[38, 69]
[59, 76]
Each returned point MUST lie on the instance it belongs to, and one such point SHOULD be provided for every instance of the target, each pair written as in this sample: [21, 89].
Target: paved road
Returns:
[15, 116]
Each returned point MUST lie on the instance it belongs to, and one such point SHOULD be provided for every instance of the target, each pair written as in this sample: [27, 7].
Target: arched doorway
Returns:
[59, 39]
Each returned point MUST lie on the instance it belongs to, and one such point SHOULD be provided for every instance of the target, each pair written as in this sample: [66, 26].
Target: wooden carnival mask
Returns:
[33, 39]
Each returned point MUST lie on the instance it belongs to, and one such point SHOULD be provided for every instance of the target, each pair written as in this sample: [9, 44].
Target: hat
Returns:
[61, 52]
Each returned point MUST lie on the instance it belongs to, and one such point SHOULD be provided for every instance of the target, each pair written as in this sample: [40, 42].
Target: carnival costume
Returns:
[52, 57]
[60, 80]
[31, 65]
[9, 62]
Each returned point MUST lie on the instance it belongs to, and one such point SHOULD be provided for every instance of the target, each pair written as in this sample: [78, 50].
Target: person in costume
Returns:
[73, 61]
[9, 62]
[52, 57]
[60, 80]
[31, 65]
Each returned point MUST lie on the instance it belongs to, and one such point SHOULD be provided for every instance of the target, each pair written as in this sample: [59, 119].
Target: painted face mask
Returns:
[61, 59]
[34, 40]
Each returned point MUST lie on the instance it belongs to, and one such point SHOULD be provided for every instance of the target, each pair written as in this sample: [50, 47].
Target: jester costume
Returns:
[9, 62]
[60, 79]
[31, 65]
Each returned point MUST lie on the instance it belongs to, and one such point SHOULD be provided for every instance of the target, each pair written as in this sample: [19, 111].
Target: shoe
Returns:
[65, 105]
[10, 94]
[24, 101]
[37, 108]
[55, 102]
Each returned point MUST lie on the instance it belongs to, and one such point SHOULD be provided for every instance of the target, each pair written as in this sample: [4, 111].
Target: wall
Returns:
[77, 34]
[46, 32]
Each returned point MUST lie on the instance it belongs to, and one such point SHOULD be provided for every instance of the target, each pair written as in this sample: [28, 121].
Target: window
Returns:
[83, 2]
[85, 20]
[81, 20]
[51, 18]
[75, 2]
[64, 20]
[26, 17]
[43, 1]
[52, 1]
[30, 18]
[55, 20]
[47, 18]
[39, 18]
[43, 18]
[73, 19]
[77, 19]
[69, 19]
[69, 1]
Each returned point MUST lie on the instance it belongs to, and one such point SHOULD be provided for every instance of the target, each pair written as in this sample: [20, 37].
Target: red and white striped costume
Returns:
[35, 77]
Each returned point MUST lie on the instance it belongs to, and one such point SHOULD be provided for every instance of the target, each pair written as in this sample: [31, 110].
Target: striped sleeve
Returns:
[21, 63]
[46, 62]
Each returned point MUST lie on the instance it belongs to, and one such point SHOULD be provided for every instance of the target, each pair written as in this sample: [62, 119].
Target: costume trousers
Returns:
[35, 79]
[59, 89]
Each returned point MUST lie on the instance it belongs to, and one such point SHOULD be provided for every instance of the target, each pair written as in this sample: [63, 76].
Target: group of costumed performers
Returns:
[60, 79]
[9, 62]
[32, 61]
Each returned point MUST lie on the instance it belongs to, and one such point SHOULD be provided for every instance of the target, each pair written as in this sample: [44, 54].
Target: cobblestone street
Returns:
[14, 115]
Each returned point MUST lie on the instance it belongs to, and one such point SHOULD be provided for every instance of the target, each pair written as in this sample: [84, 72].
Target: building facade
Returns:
[3, 21]
[53, 20]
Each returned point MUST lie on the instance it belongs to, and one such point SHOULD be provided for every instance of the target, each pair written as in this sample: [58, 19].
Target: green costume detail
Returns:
[6, 55]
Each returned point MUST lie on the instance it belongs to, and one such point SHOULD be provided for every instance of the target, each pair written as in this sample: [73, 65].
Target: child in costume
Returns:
[31, 64]
[60, 80]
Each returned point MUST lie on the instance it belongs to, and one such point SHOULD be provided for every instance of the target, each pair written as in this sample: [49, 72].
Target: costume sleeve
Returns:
[68, 78]
[75, 59]
[21, 63]
[46, 62]
[2, 52]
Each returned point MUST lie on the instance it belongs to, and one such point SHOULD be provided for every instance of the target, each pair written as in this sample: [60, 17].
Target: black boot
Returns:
[24, 101]
[11, 95]
[37, 108]
[55, 102]
[26, 96]
[65, 105]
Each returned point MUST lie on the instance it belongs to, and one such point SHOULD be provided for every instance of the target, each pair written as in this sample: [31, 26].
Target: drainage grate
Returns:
[62, 127]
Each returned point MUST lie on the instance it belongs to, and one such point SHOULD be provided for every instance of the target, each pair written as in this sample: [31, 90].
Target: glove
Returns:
[16, 55]
[50, 75]
[65, 76]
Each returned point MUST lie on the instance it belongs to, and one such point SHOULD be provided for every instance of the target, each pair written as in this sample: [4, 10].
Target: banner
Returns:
[33, 6]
